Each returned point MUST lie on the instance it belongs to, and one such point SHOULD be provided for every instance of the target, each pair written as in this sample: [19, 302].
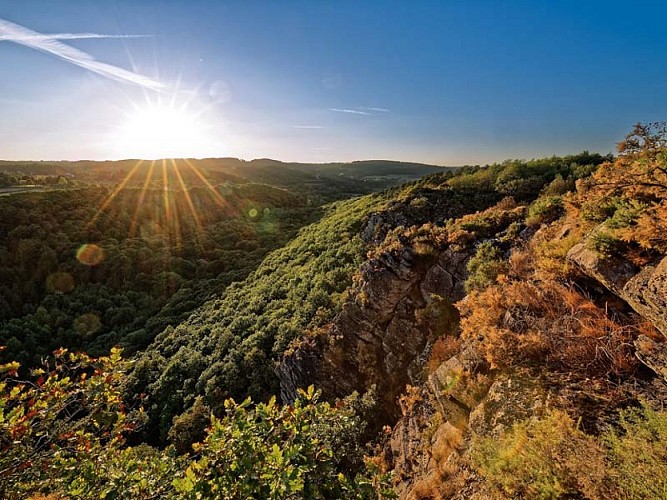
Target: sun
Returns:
[157, 130]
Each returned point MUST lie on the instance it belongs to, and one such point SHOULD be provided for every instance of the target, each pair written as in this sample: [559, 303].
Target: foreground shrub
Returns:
[637, 453]
[274, 452]
[548, 458]
[484, 267]
[544, 210]
[552, 458]
[64, 433]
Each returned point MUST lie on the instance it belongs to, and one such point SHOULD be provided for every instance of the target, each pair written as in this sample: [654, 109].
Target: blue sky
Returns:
[435, 81]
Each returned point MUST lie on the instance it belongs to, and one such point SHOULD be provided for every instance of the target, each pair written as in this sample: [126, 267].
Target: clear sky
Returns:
[444, 82]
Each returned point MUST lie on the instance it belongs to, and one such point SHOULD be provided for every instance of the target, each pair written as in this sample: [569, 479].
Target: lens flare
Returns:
[90, 254]
[87, 324]
[60, 283]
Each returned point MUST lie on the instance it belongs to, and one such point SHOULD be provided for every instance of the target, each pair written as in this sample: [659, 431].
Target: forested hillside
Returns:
[494, 332]
[88, 269]
[118, 251]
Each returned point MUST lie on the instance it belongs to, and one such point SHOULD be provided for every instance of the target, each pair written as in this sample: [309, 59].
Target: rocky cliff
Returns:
[552, 326]
[466, 399]
[644, 289]
[401, 299]
[381, 336]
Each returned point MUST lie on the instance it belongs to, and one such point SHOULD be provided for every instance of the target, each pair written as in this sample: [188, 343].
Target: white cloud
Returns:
[308, 126]
[61, 36]
[51, 45]
[351, 111]
[379, 110]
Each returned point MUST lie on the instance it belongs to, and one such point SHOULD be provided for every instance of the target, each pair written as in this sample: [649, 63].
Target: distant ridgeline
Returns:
[323, 182]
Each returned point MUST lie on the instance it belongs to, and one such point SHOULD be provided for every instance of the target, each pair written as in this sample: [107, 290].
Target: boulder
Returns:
[645, 289]
[653, 354]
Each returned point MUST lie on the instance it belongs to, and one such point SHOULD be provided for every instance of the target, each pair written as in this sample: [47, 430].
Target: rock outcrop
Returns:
[645, 289]
[653, 354]
[382, 330]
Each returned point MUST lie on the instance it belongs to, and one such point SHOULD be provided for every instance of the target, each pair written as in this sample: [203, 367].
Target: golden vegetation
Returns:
[547, 324]
[630, 194]
[527, 308]
[553, 458]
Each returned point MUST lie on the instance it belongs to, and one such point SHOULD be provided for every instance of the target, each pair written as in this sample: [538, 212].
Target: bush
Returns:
[552, 458]
[547, 458]
[559, 186]
[638, 453]
[484, 267]
[64, 433]
[598, 210]
[190, 427]
[545, 210]
[606, 243]
[275, 452]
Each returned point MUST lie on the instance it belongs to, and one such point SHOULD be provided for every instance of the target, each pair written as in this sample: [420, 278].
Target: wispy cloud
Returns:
[62, 36]
[308, 126]
[361, 110]
[379, 110]
[350, 111]
[51, 45]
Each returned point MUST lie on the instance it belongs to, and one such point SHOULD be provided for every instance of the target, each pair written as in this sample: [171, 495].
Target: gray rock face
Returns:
[644, 290]
[380, 331]
[510, 399]
[610, 272]
[647, 294]
[653, 354]
[430, 434]
[379, 224]
[406, 446]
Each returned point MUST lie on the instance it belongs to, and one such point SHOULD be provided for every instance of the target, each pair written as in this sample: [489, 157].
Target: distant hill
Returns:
[231, 166]
[323, 181]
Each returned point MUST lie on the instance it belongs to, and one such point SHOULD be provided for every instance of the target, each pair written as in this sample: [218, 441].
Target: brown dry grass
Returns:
[547, 324]
[444, 348]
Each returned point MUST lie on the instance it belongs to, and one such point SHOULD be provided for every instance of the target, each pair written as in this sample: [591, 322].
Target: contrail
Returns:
[379, 110]
[49, 43]
[63, 36]
[351, 111]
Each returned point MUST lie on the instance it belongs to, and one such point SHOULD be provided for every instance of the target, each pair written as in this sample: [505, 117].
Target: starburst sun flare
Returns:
[158, 130]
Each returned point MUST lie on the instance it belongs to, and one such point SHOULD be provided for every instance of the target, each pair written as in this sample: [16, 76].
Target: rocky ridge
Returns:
[382, 335]
[383, 329]
[400, 302]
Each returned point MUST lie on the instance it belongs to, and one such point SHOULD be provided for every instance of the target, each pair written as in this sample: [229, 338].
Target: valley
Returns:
[454, 312]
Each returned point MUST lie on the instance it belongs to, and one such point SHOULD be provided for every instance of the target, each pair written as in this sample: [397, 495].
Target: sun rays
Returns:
[167, 197]
[167, 200]
[165, 125]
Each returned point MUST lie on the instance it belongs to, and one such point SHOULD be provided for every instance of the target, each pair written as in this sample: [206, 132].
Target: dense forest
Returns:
[118, 251]
[465, 332]
[77, 275]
